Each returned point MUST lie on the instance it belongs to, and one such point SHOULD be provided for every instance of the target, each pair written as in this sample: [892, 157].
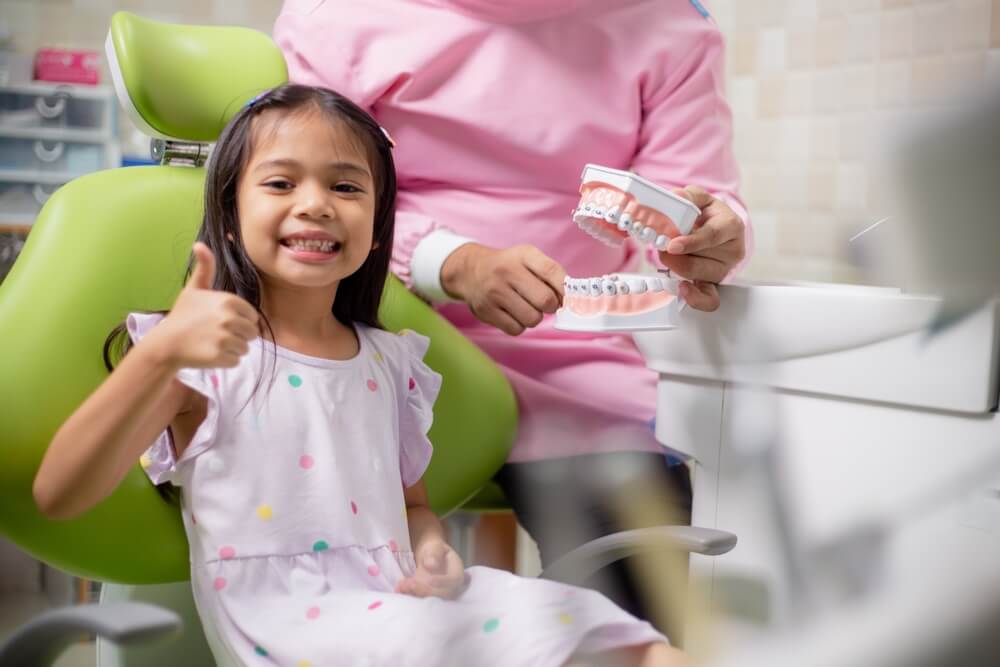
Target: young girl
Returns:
[295, 428]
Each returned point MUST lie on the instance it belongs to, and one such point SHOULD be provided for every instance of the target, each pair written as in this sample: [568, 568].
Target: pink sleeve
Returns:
[687, 132]
[420, 387]
[314, 54]
[411, 229]
[319, 54]
[160, 461]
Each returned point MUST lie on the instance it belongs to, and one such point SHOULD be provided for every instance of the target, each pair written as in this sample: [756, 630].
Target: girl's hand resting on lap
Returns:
[440, 573]
[206, 328]
[512, 289]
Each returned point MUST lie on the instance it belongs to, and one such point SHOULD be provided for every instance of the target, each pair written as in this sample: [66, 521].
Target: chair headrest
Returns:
[185, 82]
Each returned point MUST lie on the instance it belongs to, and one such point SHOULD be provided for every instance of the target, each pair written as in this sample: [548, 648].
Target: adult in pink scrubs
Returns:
[495, 106]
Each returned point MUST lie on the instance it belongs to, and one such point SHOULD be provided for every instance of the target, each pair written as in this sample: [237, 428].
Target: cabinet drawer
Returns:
[21, 202]
[56, 109]
[70, 157]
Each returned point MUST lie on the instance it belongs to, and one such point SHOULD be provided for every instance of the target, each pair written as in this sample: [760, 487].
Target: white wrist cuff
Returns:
[428, 258]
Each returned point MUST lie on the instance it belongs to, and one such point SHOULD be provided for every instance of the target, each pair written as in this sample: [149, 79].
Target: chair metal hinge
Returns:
[179, 153]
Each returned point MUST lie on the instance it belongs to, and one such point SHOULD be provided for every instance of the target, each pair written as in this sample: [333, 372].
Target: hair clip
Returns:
[392, 142]
[256, 98]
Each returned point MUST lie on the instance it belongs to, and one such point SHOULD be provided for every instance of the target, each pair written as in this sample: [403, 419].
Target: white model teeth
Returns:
[661, 242]
[612, 215]
[647, 234]
[637, 285]
[617, 285]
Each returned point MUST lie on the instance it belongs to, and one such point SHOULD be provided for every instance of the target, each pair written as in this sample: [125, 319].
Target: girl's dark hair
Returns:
[359, 294]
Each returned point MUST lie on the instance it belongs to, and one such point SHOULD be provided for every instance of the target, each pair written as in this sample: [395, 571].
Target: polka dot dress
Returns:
[300, 539]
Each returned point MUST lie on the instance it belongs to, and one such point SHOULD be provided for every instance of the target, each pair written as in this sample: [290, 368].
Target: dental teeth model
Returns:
[619, 302]
[616, 204]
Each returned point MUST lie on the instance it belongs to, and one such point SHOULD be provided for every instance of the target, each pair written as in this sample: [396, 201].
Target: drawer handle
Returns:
[40, 194]
[51, 110]
[49, 154]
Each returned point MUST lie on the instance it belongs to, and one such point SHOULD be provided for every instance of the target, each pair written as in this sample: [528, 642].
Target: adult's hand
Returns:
[511, 289]
[716, 244]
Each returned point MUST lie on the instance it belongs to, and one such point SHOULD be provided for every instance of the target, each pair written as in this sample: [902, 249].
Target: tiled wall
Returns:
[812, 83]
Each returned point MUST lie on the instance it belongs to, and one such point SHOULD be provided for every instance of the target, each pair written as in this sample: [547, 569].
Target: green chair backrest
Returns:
[118, 240]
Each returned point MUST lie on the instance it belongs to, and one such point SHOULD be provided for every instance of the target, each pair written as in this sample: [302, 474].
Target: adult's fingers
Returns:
[499, 318]
[536, 292]
[546, 269]
[518, 307]
[700, 295]
[697, 267]
[717, 230]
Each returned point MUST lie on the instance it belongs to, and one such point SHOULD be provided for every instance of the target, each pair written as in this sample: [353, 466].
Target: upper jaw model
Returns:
[616, 204]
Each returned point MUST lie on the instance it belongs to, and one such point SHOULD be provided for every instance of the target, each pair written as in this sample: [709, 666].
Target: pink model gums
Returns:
[619, 302]
[616, 204]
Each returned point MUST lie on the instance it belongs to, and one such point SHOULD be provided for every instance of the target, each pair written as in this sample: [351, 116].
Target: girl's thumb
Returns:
[203, 274]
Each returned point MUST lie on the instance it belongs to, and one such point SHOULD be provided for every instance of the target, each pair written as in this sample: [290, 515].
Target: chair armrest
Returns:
[41, 640]
[586, 559]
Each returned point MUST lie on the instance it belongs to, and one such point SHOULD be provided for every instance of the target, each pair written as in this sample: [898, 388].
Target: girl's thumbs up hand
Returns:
[206, 328]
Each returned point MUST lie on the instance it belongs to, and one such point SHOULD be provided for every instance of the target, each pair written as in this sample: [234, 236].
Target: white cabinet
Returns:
[49, 135]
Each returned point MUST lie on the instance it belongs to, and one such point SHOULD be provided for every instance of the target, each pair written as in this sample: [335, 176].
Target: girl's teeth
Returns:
[312, 245]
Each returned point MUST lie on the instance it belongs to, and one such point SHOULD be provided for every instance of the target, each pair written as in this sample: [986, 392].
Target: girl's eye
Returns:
[347, 187]
[278, 185]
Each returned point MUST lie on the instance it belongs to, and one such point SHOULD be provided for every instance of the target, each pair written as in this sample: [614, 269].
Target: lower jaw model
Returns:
[619, 302]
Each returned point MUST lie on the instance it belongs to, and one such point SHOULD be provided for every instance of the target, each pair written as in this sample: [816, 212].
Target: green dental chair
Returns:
[117, 241]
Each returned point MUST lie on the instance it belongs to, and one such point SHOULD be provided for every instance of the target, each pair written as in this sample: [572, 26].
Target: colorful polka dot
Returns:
[321, 545]
[565, 619]
[265, 512]
[225, 553]
[491, 625]
[219, 583]
[145, 461]
[295, 380]
[405, 332]
[393, 546]
[413, 384]
[312, 613]
[214, 379]
[259, 650]
[303, 663]
[373, 570]
[372, 385]
[375, 605]
[306, 462]
[378, 357]
[354, 507]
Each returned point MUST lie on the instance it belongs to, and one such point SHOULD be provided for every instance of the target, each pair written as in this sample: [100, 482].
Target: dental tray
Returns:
[616, 204]
[619, 302]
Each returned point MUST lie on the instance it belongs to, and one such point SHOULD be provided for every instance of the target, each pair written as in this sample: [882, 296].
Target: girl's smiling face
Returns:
[306, 201]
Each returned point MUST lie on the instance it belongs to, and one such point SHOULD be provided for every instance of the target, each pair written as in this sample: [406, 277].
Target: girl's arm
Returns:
[424, 524]
[439, 569]
[94, 449]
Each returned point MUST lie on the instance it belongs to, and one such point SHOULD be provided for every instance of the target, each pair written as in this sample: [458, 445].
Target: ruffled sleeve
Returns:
[416, 414]
[160, 461]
